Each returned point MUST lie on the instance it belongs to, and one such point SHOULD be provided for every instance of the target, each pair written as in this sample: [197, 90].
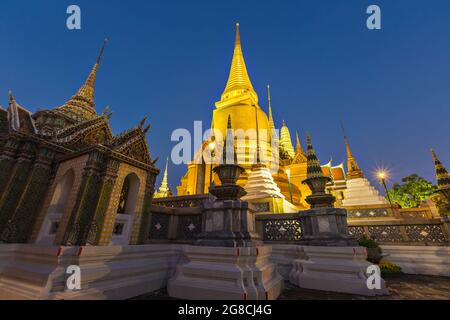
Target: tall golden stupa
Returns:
[240, 101]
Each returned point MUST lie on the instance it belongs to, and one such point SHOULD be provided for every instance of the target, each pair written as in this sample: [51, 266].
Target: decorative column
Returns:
[228, 221]
[78, 228]
[323, 225]
[146, 213]
[228, 260]
[108, 180]
[7, 161]
[331, 259]
[15, 188]
[32, 198]
[442, 195]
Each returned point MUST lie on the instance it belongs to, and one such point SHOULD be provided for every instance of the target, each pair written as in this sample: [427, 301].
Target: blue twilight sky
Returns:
[170, 60]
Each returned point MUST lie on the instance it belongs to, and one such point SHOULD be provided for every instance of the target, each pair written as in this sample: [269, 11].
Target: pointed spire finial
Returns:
[314, 170]
[228, 145]
[258, 158]
[142, 123]
[82, 103]
[442, 176]
[164, 190]
[105, 42]
[238, 35]
[238, 84]
[298, 147]
[286, 147]
[353, 170]
[229, 122]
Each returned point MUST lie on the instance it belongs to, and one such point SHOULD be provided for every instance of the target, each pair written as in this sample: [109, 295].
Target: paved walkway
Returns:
[404, 287]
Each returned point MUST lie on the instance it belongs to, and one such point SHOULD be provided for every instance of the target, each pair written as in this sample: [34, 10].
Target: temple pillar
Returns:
[148, 198]
[78, 228]
[229, 260]
[15, 187]
[201, 176]
[108, 179]
[7, 161]
[33, 195]
[330, 259]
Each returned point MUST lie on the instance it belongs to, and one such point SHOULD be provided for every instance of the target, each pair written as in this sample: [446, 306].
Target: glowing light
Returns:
[288, 172]
[382, 175]
[212, 146]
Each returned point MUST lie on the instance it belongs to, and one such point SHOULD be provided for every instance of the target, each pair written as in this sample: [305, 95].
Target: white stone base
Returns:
[260, 185]
[337, 269]
[113, 272]
[219, 273]
[360, 192]
[434, 261]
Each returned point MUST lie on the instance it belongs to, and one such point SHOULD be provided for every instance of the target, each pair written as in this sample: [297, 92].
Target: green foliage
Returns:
[411, 192]
[387, 267]
[364, 241]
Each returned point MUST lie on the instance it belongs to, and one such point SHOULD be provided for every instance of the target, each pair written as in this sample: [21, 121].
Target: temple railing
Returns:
[286, 228]
[181, 202]
[279, 228]
[179, 220]
[179, 225]
[414, 213]
[386, 212]
[430, 232]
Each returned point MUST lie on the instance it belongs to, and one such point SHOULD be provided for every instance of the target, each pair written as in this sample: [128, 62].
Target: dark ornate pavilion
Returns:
[66, 179]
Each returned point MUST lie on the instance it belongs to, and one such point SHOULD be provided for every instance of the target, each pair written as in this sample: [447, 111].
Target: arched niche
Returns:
[126, 210]
[56, 208]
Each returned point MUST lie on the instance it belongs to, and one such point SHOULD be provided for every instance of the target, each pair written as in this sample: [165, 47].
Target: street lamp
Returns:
[383, 175]
[212, 148]
[288, 172]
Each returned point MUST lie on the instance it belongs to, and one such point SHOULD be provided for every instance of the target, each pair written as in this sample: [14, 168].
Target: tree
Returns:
[411, 192]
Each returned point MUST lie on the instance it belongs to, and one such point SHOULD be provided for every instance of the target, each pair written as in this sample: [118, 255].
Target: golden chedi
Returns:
[240, 101]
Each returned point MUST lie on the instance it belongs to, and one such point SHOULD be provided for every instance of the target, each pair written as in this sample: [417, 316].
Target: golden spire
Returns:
[442, 176]
[164, 189]
[298, 147]
[353, 170]
[286, 142]
[82, 105]
[239, 84]
[273, 132]
[271, 122]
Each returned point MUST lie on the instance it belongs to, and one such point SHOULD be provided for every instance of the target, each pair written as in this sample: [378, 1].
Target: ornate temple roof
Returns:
[300, 155]
[337, 173]
[95, 131]
[19, 118]
[442, 175]
[75, 127]
[238, 84]
[81, 106]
